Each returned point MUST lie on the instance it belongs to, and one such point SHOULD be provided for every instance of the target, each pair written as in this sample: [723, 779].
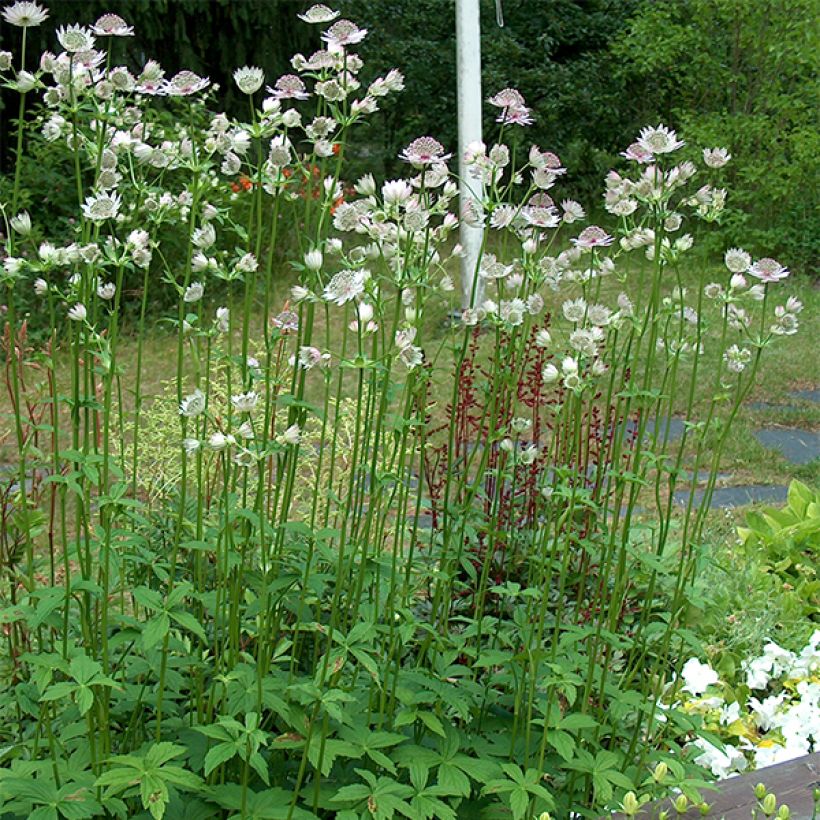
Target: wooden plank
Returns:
[792, 782]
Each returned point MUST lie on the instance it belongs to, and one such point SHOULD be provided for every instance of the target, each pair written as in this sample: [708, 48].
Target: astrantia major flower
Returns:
[25, 14]
[424, 151]
[659, 140]
[292, 436]
[106, 290]
[768, 270]
[344, 33]
[249, 79]
[21, 223]
[737, 358]
[193, 405]
[637, 153]
[77, 313]
[194, 292]
[75, 38]
[573, 211]
[288, 87]
[345, 286]
[185, 83]
[737, 260]
[592, 237]
[310, 357]
[716, 157]
[396, 191]
[112, 25]
[245, 402]
[318, 14]
[514, 110]
[102, 206]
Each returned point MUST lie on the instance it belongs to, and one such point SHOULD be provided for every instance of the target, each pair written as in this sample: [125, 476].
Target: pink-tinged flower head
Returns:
[716, 157]
[592, 237]
[112, 25]
[288, 87]
[546, 160]
[344, 33]
[25, 14]
[659, 140]
[318, 14]
[541, 217]
[424, 151]
[508, 98]
[768, 270]
[185, 83]
[637, 153]
[514, 110]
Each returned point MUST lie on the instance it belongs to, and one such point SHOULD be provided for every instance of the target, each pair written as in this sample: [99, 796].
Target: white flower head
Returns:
[25, 14]
[737, 260]
[345, 286]
[292, 436]
[77, 313]
[550, 373]
[21, 223]
[314, 259]
[101, 207]
[106, 290]
[192, 405]
[697, 676]
[249, 79]
[245, 402]
[112, 25]
[716, 157]
[659, 140]
[319, 14]
[75, 38]
[194, 292]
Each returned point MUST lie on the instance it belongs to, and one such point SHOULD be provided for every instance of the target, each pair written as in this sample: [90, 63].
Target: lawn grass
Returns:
[791, 364]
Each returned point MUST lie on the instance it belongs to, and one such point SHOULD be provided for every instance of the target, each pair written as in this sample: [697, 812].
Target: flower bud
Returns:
[760, 791]
[313, 259]
[681, 803]
[769, 804]
[630, 804]
[660, 772]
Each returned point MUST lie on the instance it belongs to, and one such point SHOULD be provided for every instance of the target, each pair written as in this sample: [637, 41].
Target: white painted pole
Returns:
[468, 62]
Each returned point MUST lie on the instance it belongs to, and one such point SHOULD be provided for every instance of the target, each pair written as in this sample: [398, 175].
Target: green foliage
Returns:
[765, 586]
[786, 541]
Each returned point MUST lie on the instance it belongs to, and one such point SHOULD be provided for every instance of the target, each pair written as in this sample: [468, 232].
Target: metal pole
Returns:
[468, 61]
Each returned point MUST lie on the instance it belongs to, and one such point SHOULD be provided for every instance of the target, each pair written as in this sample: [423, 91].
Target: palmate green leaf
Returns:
[562, 742]
[219, 754]
[58, 691]
[84, 698]
[155, 630]
[189, 622]
[44, 813]
[427, 806]
[271, 804]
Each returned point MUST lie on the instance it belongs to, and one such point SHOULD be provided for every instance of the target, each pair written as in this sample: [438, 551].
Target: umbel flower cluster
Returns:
[369, 535]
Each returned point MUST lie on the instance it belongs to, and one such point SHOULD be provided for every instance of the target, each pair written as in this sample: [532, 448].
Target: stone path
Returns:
[796, 445]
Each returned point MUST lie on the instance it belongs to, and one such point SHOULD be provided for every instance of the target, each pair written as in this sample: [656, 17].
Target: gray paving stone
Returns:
[806, 395]
[724, 497]
[795, 445]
